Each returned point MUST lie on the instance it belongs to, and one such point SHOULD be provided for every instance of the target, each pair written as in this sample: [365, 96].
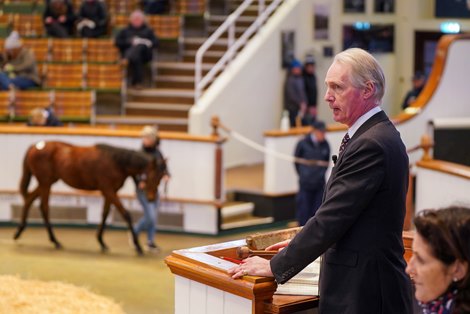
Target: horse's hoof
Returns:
[58, 246]
[104, 249]
[140, 252]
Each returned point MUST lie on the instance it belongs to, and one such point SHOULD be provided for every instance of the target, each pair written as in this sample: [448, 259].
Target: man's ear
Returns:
[369, 90]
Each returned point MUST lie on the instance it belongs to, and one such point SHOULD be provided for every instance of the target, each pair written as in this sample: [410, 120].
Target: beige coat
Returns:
[25, 65]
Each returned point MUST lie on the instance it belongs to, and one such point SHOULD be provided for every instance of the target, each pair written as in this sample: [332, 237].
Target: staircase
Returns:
[168, 101]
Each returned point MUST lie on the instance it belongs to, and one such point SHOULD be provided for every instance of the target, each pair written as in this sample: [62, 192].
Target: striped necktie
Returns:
[344, 142]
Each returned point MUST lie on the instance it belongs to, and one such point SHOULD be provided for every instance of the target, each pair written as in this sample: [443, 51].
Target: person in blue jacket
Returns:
[311, 178]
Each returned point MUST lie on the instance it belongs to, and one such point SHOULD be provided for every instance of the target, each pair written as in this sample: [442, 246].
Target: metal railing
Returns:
[233, 44]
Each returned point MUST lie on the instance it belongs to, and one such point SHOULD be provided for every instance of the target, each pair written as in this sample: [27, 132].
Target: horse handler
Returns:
[150, 145]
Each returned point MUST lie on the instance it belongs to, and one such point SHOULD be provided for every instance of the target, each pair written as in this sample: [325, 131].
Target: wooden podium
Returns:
[203, 286]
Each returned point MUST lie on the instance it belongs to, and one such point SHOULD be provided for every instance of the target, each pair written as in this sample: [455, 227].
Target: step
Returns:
[157, 106]
[135, 108]
[243, 21]
[247, 222]
[180, 68]
[234, 209]
[162, 92]
[238, 30]
[140, 120]
[196, 42]
[209, 56]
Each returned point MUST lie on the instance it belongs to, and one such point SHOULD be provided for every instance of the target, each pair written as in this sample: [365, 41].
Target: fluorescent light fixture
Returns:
[450, 27]
[362, 26]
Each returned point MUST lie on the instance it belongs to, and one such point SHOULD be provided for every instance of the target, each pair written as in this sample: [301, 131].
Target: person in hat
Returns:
[419, 79]
[150, 145]
[19, 68]
[310, 81]
[295, 100]
[311, 178]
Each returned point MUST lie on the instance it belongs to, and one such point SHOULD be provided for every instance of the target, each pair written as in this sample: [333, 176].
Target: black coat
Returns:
[294, 92]
[95, 11]
[311, 177]
[310, 81]
[359, 228]
[69, 14]
[124, 38]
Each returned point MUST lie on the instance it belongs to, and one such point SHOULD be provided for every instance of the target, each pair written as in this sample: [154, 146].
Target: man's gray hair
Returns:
[364, 68]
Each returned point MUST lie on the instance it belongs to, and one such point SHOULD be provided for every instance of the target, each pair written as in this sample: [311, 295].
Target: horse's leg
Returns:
[28, 201]
[113, 199]
[45, 191]
[106, 207]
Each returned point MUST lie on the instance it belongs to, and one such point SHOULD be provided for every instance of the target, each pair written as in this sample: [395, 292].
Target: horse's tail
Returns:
[26, 177]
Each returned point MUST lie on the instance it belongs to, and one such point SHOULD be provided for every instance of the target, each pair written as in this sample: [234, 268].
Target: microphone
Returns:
[334, 158]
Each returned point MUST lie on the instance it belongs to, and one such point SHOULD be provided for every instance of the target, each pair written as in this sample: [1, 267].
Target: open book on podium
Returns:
[305, 282]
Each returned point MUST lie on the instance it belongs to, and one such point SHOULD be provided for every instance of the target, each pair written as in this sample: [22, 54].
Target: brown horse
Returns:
[100, 167]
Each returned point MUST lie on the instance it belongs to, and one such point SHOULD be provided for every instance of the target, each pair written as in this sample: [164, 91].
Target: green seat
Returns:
[18, 7]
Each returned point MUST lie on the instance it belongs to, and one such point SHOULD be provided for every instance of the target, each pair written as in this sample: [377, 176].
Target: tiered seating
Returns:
[22, 7]
[77, 106]
[40, 47]
[190, 7]
[67, 50]
[5, 101]
[68, 106]
[25, 101]
[63, 76]
[101, 51]
[28, 25]
[104, 76]
[166, 26]
[122, 6]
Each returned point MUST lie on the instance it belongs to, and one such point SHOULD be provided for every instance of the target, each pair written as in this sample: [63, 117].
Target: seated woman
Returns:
[19, 68]
[136, 43]
[92, 18]
[441, 256]
[59, 18]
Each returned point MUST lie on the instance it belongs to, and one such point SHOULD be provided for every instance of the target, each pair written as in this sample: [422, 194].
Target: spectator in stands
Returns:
[310, 81]
[92, 19]
[295, 99]
[150, 145]
[43, 117]
[19, 68]
[439, 267]
[155, 6]
[59, 18]
[136, 43]
[418, 83]
[311, 178]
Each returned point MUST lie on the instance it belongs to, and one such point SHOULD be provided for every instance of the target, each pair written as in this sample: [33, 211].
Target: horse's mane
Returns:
[126, 158]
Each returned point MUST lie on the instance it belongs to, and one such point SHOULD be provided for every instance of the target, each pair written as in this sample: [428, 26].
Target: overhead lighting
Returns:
[450, 27]
[362, 26]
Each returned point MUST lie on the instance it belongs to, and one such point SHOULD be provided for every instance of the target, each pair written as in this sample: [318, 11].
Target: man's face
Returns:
[296, 71]
[344, 99]
[418, 83]
[319, 135]
[137, 20]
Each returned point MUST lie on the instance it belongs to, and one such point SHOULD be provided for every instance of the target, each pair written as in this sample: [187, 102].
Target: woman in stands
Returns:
[136, 43]
[441, 256]
[59, 18]
[19, 68]
[150, 145]
[92, 19]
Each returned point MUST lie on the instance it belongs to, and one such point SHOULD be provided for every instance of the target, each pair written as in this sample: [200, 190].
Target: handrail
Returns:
[232, 45]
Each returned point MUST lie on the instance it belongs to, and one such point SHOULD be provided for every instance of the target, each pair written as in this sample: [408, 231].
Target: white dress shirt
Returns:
[362, 119]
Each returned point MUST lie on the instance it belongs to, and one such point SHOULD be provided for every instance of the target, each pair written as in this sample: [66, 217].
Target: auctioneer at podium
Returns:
[359, 225]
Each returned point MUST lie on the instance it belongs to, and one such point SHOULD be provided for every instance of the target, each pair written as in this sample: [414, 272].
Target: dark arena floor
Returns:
[139, 284]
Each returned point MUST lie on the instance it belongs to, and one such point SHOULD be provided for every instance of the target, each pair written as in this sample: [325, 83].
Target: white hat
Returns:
[13, 41]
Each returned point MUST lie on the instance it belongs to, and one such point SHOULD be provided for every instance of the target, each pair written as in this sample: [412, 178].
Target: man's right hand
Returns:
[278, 246]
[48, 20]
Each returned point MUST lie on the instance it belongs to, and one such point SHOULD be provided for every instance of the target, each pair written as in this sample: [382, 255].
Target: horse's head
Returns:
[155, 171]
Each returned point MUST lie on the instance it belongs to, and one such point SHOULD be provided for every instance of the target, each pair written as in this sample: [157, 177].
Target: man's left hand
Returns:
[252, 266]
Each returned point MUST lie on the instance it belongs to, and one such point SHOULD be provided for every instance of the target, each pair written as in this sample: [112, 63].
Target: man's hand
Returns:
[165, 178]
[278, 246]
[142, 185]
[48, 20]
[252, 266]
[62, 19]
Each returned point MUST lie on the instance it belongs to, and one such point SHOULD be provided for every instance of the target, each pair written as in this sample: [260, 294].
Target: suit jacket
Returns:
[359, 228]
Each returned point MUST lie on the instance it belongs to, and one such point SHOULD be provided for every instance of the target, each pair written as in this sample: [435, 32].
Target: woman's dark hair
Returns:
[447, 232]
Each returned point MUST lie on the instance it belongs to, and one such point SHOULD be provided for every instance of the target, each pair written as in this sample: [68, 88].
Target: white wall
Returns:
[247, 96]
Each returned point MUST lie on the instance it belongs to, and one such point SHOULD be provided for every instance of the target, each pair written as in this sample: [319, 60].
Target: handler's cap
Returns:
[149, 131]
[319, 125]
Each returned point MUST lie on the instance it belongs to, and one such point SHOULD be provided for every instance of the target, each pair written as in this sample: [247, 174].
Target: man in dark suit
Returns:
[359, 225]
